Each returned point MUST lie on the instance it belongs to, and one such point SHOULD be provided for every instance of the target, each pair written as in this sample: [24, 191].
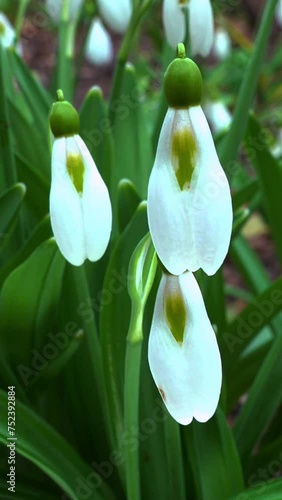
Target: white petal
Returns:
[168, 206]
[116, 14]
[99, 47]
[221, 45]
[201, 26]
[65, 207]
[188, 375]
[210, 206]
[7, 32]
[96, 207]
[174, 22]
[218, 115]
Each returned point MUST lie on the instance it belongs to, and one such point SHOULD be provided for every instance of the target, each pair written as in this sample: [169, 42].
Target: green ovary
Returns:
[175, 313]
[183, 152]
[75, 167]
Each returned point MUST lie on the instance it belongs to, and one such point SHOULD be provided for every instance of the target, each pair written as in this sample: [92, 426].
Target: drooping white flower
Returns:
[99, 47]
[201, 24]
[278, 12]
[183, 354]
[7, 33]
[218, 115]
[222, 44]
[189, 201]
[54, 9]
[80, 207]
[116, 14]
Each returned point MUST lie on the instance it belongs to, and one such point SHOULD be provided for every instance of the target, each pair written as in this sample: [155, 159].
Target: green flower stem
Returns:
[65, 73]
[23, 4]
[174, 459]
[229, 150]
[136, 18]
[131, 400]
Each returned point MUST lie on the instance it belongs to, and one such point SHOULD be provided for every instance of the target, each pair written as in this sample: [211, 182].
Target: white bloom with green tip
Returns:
[183, 353]
[80, 207]
[189, 202]
[116, 14]
[7, 33]
[99, 47]
[200, 24]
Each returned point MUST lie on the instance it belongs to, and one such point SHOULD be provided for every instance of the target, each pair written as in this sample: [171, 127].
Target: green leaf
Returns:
[128, 201]
[269, 173]
[213, 458]
[265, 490]
[10, 203]
[42, 445]
[32, 290]
[95, 130]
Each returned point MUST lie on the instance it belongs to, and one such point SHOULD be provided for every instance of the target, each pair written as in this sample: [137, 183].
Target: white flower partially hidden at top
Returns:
[116, 14]
[221, 47]
[183, 354]
[99, 47]
[54, 9]
[201, 24]
[7, 33]
[189, 201]
[278, 12]
[80, 207]
[218, 116]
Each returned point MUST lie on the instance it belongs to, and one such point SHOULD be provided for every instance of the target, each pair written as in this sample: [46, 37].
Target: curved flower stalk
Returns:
[7, 33]
[99, 47]
[218, 116]
[189, 201]
[80, 207]
[116, 14]
[183, 354]
[54, 8]
[200, 24]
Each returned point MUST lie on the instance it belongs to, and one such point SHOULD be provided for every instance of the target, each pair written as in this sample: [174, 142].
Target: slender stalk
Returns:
[229, 150]
[23, 4]
[131, 401]
[138, 13]
[65, 73]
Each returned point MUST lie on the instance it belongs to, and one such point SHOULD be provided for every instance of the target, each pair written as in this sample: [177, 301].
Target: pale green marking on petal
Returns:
[2, 29]
[183, 153]
[76, 169]
[175, 312]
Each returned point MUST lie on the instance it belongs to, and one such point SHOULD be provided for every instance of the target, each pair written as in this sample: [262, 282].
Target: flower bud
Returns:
[64, 119]
[183, 81]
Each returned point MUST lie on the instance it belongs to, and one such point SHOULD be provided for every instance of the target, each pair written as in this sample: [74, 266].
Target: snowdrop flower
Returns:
[54, 8]
[80, 208]
[201, 24]
[222, 44]
[99, 47]
[218, 116]
[183, 354]
[7, 33]
[278, 12]
[189, 201]
[116, 14]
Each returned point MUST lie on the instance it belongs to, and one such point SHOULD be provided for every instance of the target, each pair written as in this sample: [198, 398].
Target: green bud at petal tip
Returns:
[175, 313]
[180, 51]
[183, 156]
[64, 119]
[183, 81]
[76, 169]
